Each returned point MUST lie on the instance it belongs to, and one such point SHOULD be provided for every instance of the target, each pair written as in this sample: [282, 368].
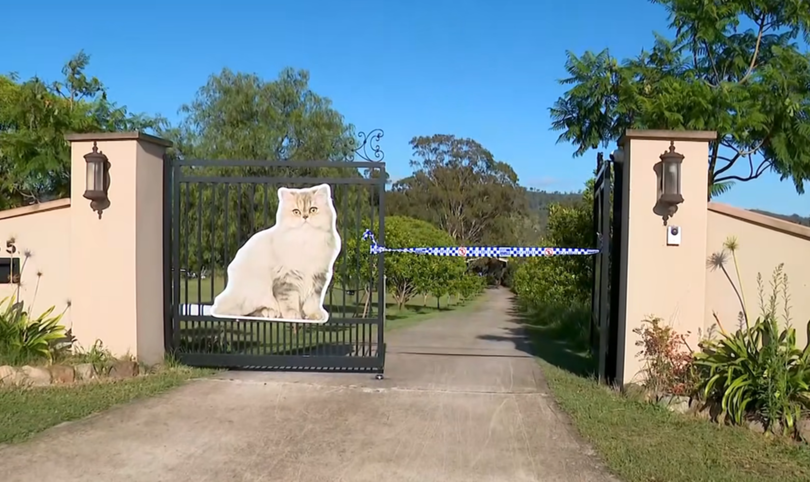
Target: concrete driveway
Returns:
[460, 402]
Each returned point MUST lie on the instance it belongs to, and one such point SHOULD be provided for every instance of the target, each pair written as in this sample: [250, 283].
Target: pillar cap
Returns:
[118, 136]
[667, 135]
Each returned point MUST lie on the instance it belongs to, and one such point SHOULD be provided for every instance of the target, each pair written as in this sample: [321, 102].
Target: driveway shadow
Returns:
[558, 336]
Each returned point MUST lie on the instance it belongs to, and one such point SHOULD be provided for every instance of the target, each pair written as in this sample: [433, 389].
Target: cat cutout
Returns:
[282, 273]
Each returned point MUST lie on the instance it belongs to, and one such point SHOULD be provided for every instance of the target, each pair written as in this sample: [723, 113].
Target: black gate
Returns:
[212, 207]
[607, 218]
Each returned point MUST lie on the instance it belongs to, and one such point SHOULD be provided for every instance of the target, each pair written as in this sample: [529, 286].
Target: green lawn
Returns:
[641, 442]
[334, 338]
[25, 412]
[339, 302]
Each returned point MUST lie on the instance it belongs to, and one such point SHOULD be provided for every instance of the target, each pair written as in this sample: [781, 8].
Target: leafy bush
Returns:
[758, 371]
[410, 275]
[24, 338]
[98, 355]
[669, 367]
[560, 280]
[470, 286]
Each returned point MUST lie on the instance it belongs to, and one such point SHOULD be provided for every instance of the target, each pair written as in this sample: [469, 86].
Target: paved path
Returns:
[461, 402]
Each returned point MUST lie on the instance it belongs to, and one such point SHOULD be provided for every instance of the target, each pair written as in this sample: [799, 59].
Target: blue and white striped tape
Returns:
[481, 251]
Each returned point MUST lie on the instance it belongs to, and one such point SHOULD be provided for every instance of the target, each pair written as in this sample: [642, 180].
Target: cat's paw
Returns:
[291, 315]
[319, 316]
[268, 313]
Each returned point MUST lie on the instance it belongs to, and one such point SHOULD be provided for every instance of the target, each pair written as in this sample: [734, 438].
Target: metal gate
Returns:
[212, 207]
[607, 218]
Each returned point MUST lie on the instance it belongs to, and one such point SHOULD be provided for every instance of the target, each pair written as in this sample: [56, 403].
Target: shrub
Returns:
[562, 280]
[24, 338]
[470, 286]
[669, 367]
[758, 371]
[407, 275]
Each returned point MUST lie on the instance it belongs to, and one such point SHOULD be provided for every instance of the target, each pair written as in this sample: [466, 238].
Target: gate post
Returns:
[659, 276]
[116, 251]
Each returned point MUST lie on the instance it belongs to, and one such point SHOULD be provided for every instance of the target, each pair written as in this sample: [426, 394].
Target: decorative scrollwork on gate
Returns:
[369, 148]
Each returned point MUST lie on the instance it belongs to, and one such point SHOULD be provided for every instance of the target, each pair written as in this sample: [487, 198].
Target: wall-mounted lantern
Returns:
[617, 155]
[97, 179]
[670, 188]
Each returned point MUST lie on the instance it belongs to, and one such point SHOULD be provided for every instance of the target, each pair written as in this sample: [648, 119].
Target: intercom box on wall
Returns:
[673, 235]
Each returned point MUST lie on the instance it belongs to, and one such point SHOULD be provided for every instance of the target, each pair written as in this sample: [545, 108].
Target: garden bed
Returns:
[713, 412]
[65, 374]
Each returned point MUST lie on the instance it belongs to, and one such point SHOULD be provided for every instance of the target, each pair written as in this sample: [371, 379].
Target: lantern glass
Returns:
[94, 189]
[98, 171]
[672, 178]
[95, 175]
[90, 182]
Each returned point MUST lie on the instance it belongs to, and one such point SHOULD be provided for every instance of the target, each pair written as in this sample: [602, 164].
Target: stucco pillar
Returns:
[658, 279]
[116, 259]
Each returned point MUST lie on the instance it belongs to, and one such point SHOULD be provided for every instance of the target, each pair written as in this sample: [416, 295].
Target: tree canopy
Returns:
[239, 116]
[734, 66]
[409, 275]
[236, 115]
[458, 185]
[35, 115]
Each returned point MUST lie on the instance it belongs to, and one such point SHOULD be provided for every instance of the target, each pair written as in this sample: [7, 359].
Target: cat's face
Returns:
[309, 206]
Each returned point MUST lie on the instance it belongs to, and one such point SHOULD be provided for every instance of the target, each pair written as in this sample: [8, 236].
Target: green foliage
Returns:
[540, 203]
[468, 286]
[34, 118]
[459, 186]
[410, 275]
[98, 355]
[242, 116]
[565, 279]
[668, 362]
[25, 338]
[758, 370]
[734, 66]
[238, 116]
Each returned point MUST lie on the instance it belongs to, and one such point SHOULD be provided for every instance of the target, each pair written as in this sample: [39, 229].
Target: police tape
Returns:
[481, 251]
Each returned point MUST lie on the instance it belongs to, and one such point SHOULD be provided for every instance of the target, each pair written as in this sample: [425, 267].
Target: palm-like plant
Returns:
[23, 337]
[758, 369]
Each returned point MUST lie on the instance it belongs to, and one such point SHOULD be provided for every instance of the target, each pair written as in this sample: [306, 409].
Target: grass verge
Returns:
[410, 316]
[25, 412]
[641, 442]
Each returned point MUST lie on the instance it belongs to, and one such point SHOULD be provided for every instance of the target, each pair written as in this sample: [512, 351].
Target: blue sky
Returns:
[473, 68]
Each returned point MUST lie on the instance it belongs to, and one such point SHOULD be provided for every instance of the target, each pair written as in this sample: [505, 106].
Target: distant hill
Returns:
[793, 218]
[540, 201]
[543, 199]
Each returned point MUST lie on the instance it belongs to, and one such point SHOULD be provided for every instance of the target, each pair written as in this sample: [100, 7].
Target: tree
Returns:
[732, 66]
[458, 186]
[408, 275]
[239, 116]
[242, 116]
[34, 118]
[563, 280]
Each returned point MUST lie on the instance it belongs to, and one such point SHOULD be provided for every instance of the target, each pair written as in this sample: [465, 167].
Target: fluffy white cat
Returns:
[282, 272]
